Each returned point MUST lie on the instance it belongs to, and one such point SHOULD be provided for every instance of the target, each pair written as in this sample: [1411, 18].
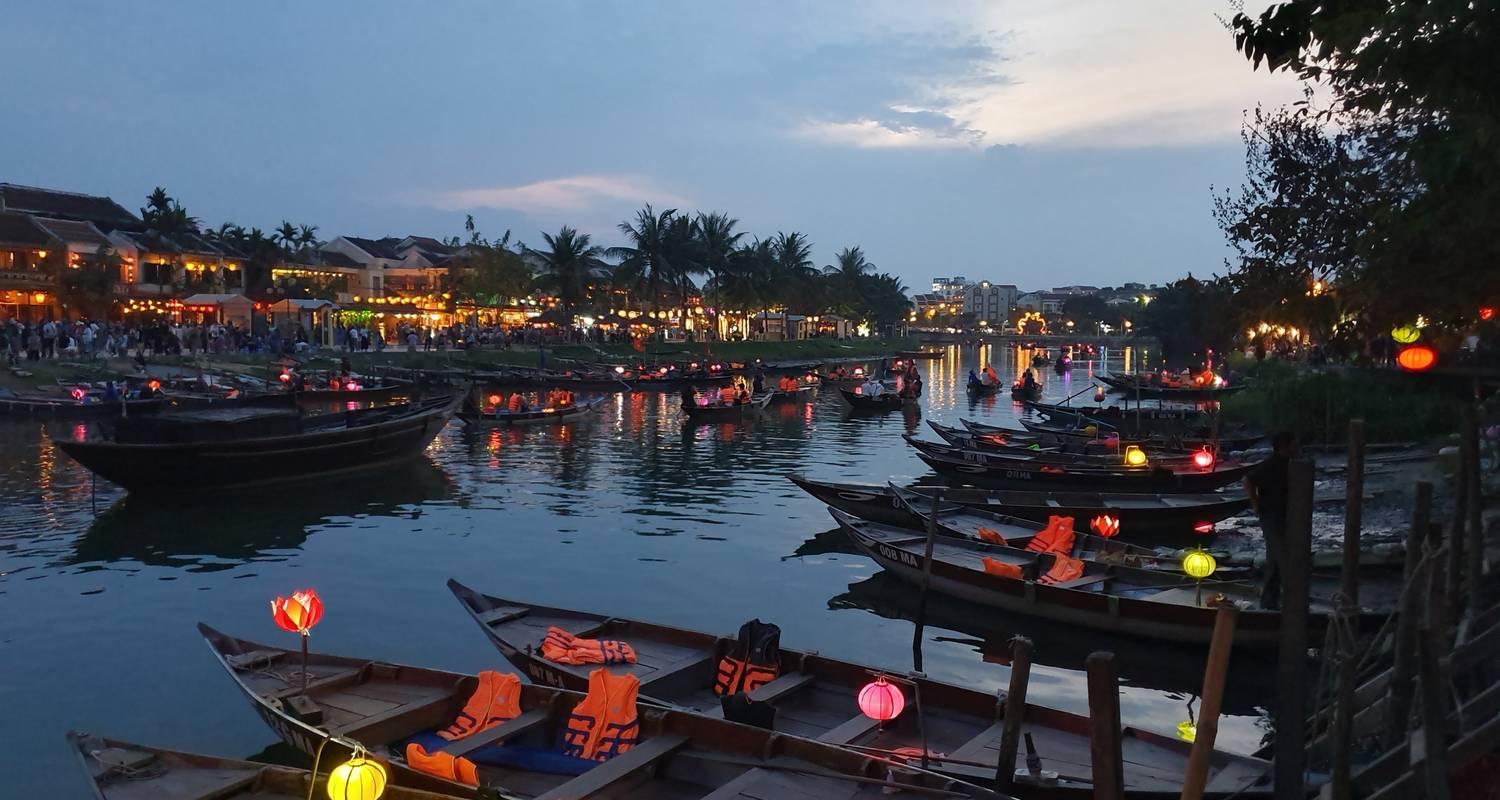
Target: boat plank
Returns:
[617, 769]
[355, 704]
[506, 730]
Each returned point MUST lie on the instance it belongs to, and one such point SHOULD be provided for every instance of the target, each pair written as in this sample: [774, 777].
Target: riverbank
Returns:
[1316, 404]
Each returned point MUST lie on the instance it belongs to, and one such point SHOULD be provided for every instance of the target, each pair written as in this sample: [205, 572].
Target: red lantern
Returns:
[1204, 528]
[1105, 525]
[1417, 358]
[1487, 313]
[494, 399]
[1204, 459]
[78, 394]
[286, 377]
[298, 613]
[153, 384]
[881, 700]
[1099, 394]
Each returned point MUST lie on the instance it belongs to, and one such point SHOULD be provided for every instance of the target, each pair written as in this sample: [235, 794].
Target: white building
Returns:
[953, 287]
[990, 303]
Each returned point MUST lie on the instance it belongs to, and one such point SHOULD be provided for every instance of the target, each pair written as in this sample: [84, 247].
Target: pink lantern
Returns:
[881, 700]
[1204, 459]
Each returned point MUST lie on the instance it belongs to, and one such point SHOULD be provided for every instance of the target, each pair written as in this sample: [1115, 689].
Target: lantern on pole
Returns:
[1203, 459]
[1406, 334]
[1135, 456]
[1199, 564]
[298, 614]
[1106, 525]
[1417, 358]
[359, 778]
[881, 700]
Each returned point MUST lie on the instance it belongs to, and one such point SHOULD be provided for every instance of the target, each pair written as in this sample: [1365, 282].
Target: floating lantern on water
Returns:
[359, 778]
[1135, 456]
[298, 614]
[1417, 358]
[1105, 525]
[1406, 334]
[881, 700]
[1203, 459]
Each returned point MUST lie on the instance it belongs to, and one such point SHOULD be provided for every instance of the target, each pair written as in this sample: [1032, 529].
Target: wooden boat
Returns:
[1063, 365]
[1083, 453]
[1137, 387]
[1022, 392]
[842, 381]
[60, 407]
[981, 389]
[1130, 602]
[1137, 512]
[725, 413]
[369, 389]
[814, 697]
[120, 770]
[991, 469]
[1228, 440]
[965, 523]
[540, 416]
[885, 401]
[242, 448]
[922, 355]
[678, 755]
[801, 395]
[1116, 416]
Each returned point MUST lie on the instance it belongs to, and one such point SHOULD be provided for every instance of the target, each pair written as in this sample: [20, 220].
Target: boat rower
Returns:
[872, 387]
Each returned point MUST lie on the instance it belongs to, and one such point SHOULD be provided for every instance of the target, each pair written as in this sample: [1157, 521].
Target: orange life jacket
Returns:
[605, 724]
[1002, 569]
[1064, 568]
[442, 765]
[515, 403]
[565, 648]
[727, 395]
[736, 675]
[496, 700]
[991, 535]
[753, 661]
[1057, 537]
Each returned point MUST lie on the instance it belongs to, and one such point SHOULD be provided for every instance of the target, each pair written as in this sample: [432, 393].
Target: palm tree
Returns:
[795, 279]
[569, 264]
[307, 236]
[286, 236]
[847, 279]
[743, 284]
[165, 216]
[663, 252]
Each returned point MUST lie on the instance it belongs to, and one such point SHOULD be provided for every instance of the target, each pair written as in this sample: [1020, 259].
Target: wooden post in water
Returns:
[916, 637]
[1104, 728]
[1404, 646]
[1343, 720]
[1474, 545]
[1354, 495]
[1290, 749]
[1434, 739]
[1015, 712]
[1214, 677]
[1456, 537]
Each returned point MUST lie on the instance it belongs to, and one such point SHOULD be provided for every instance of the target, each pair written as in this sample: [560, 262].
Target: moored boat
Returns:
[725, 412]
[980, 388]
[676, 754]
[119, 770]
[1021, 391]
[242, 448]
[1136, 386]
[551, 415]
[815, 696]
[1006, 471]
[1193, 438]
[1100, 453]
[885, 401]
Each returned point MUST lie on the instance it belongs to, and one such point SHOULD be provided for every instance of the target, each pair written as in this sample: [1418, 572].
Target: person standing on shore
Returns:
[1268, 488]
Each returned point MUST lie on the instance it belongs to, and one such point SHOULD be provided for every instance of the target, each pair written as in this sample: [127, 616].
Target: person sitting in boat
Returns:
[743, 396]
[1028, 381]
[688, 398]
[727, 395]
[974, 377]
[990, 376]
[872, 387]
[516, 404]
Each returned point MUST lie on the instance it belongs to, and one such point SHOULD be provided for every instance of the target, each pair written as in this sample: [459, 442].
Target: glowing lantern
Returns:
[1417, 358]
[78, 394]
[359, 778]
[1203, 459]
[859, 372]
[1105, 525]
[1187, 731]
[1099, 394]
[1199, 564]
[1204, 528]
[881, 700]
[494, 399]
[352, 386]
[1406, 334]
[1487, 313]
[1135, 456]
[153, 384]
[662, 371]
[298, 613]
[619, 370]
[286, 377]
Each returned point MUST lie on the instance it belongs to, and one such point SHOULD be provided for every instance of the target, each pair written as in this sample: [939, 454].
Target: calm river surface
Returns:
[630, 513]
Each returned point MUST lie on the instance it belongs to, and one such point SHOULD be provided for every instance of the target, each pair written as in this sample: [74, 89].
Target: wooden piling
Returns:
[1343, 704]
[916, 636]
[1104, 728]
[1421, 519]
[1474, 545]
[1434, 739]
[1354, 496]
[1456, 537]
[1015, 712]
[1214, 678]
[1290, 749]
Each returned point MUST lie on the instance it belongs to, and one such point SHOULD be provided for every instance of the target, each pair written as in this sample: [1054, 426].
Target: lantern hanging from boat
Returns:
[1417, 358]
[1199, 564]
[1486, 313]
[494, 399]
[298, 613]
[1203, 528]
[78, 394]
[359, 778]
[1406, 334]
[286, 377]
[1135, 456]
[1106, 525]
[153, 384]
[881, 700]
[1098, 394]
[1203, 459]
[1187, 731]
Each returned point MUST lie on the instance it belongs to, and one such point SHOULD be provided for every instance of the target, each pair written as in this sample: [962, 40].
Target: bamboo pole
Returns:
[1354, 495]
[1290, 748]
[1435, 746]
[916, 637]
[1456, 537]
[1343, 720]
[1214, 676]
[1474, 545]
[1104, 728]
[1015, 712]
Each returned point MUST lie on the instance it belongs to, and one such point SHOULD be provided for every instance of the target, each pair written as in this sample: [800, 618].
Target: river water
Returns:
[632, 513]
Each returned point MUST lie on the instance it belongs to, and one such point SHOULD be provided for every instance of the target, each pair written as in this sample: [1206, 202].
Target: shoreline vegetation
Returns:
[1316, 404]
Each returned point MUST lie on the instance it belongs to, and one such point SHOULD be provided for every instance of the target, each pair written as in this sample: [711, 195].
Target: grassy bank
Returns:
[1317, 405]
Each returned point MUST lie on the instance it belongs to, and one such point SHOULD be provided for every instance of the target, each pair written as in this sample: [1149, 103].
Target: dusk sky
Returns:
[1038, 143]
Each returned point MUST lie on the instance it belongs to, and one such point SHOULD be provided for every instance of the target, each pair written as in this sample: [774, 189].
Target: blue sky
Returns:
[1037, 143]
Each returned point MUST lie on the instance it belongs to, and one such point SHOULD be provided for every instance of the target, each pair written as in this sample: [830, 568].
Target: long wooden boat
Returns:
[1023, 393]
[1184, 477]
[1138, 512]
[1135, 386]
[815, 697]
[197, 451]
[967, 523]
[980, 388]
[1134, 603]
[1083, 453]
[381, 389]
[541, 416]
[120, 770]
[678, 754]
[725, 413]
[1228, 440]
[801, 395]
[57, 407]
[1116, 416]
[989, 469]
[885, 401]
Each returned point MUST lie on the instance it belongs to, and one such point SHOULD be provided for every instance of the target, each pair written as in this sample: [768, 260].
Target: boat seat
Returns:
[497, 734]
[495, 616]
[1079, 583]
[781, 687]
[617, 769]
[254, 659]
[595, 629]
[854, 728]
[976, 748]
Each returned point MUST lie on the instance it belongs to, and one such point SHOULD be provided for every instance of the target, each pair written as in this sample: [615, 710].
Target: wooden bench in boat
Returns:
[977, 748]
[618, 768]
[505, 730]
[854, 728]
[781, 687]
[695, 671]
[1079, 583]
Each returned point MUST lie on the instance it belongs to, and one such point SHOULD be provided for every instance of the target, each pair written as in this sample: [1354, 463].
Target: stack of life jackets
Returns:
[1057, 537]
[991, 535]
[1056, 540]
[754, 661]
[605, 724]
[565, 648]
[497, 700]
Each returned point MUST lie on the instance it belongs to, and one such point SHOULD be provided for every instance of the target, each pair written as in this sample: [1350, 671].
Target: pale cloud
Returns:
[870, 133]
[573, 193]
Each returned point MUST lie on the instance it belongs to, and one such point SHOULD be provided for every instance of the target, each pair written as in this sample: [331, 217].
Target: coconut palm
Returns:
[569, 264]
[795, 280]
[165, 216]
[663, 252]
[286, 236]
[847, 280]
[307, 236]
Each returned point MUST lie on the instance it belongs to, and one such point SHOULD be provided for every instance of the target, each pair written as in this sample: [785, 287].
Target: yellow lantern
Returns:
[1199, 564]
[1406, 334]
[357, 779]
[1135, 456]
[1187, 731]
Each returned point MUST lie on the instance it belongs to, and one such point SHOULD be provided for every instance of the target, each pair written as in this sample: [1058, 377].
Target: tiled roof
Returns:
[20, 230]
[333, 258]
[74, 232]
[379, 248]
[150, 243]
[196, 245]
[66, 205]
